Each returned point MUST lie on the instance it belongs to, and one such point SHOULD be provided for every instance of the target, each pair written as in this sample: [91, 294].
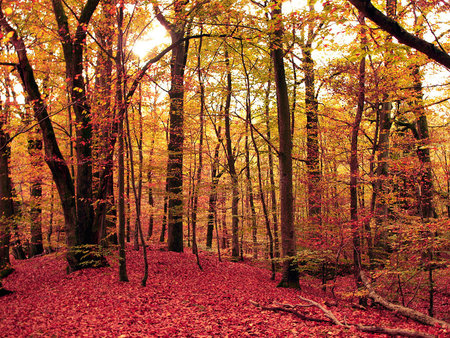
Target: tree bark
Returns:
[250, 194]
[290, 277]
[273, 194]
[34, 150]
[176, 132]
[231, 160]
[6, 202]
[123, 276]
[354, 166]
[312, 138]
[212, 205]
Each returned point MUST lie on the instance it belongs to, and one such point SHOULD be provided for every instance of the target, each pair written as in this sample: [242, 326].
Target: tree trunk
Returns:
[231, 160]
[6, 202]
[290, 277]
[34, 150]
[212, 206]
[198, 177]
[105, 130]
[176, 125]
[384, 120]
[273, 193]
[248, 120]
[123, 276]
[354, 166]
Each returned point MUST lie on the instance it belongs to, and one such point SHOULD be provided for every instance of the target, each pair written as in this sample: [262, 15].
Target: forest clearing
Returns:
[224, 168]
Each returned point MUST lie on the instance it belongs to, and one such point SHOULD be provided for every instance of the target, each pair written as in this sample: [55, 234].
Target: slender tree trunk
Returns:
[212, 206]
[200, 155]
[123, 276]
[34, 150]
[137, 192]
[273, 193]
[264, 205]
[6, 202]
[164, 220]
[231, 160]
[250, 194]
[354, 166]
[290, 277]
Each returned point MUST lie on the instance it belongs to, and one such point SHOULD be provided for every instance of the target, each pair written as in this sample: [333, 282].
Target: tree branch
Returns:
[392, 27]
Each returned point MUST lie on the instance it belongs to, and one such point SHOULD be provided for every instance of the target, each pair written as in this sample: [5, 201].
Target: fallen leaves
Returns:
[179, 300]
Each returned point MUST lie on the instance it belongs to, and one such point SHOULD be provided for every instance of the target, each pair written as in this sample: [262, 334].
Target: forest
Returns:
[293, 155]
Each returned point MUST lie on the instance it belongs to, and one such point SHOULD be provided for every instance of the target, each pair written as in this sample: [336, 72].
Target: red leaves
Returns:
[180, 300]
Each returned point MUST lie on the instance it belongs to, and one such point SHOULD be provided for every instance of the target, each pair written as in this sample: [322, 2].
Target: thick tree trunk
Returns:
[290, 276]
[312, 142]
[176, 125]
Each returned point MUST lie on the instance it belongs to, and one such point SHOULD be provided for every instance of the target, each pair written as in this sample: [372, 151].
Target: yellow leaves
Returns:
[8, 11]
[8, 37]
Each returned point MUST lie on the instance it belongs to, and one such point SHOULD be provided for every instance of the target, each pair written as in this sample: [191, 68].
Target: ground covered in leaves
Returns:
[179, 300]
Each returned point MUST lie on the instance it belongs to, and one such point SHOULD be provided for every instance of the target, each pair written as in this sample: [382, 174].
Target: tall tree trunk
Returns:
[212, 206]
[384, 120]
[176, 127]
[6, 202]
[312, 130]
[248, 120]
[34, 150]
[137, 192]
[354, 166]
[123, 276]
[106, 129]
[264, 204]
[73, 47]
[274, 211]
[200, 154]
[231, 160]
[290, 277]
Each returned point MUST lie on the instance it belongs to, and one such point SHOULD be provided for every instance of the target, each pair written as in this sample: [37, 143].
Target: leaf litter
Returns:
[178, 301]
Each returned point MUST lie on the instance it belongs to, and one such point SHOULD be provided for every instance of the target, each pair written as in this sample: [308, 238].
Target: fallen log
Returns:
[289, 308]
[404, 311]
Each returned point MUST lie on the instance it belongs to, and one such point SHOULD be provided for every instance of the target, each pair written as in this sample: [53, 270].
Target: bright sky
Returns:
[154, 38]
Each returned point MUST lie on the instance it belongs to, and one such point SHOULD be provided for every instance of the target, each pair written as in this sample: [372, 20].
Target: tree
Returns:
[231, 161]
[177, 30]
[6, 202]
[290, 271]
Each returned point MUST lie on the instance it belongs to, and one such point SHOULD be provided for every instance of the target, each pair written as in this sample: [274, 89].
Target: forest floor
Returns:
[179, 300]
